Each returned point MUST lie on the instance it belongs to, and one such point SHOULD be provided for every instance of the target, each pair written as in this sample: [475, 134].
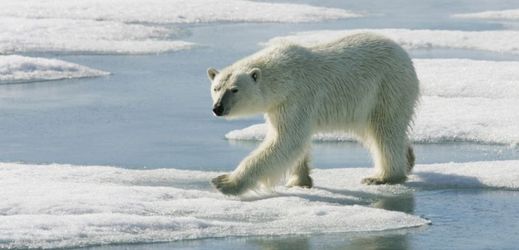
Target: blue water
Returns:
[154, 111]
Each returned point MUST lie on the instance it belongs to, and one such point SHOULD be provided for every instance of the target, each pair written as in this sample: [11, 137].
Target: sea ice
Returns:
[130, 27]
[49, 206]
[45, 206]
[478, 175]
[468, 78]
[67, 35]
[512, 14]
[171, 11]
[502, 41]
[15, 69]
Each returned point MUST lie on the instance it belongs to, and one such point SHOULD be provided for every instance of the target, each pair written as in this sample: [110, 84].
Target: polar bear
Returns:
[364, 84]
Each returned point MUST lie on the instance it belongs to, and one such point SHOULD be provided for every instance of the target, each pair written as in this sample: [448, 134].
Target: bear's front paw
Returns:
[298, 181]
[226, 185]
[373, 181]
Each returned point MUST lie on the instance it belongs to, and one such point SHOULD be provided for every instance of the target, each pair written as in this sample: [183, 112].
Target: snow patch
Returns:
[49, 206]
[512, 14]
[502, 41]
[171, 11]
[15, 69]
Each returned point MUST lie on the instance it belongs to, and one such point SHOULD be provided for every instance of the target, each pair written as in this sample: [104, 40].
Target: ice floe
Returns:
[481, 120]
[76, 36]
[501, 41]
[171, 11]
[468, 78]
[45, 206]
[476, 175]
[15, 69]
[132, 27]
[66, 206]
[463, 100]
[512, 14]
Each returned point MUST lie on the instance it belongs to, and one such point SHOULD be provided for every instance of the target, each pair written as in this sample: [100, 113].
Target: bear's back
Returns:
[344, 56]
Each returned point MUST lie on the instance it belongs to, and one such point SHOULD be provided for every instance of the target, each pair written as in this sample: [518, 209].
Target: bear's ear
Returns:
[211, 73]
[255, 74]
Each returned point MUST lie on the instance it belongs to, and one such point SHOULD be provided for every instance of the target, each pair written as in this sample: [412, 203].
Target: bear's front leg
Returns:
[271, 160]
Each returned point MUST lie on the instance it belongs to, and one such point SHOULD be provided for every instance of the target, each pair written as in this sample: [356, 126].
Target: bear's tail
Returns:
[410, 159]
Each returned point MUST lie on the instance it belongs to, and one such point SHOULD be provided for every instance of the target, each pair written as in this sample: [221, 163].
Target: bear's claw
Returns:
[373, 181]
[380, 181]
[226, 185]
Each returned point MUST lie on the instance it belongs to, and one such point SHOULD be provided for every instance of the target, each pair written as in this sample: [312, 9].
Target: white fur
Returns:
[364, 83]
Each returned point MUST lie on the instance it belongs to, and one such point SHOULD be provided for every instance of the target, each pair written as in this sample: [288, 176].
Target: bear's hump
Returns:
[280, 54]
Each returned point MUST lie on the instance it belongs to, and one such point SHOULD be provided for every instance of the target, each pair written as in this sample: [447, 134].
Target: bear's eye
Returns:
[234, 90]
[254, 76]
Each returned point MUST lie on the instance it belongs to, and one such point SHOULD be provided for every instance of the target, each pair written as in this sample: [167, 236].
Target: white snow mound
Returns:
[47, 206]
[501, 41]
[15, 69]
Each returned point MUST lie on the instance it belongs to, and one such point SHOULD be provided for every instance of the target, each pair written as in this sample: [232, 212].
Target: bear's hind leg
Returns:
[300, 174]
[390, 154]
[410, 159]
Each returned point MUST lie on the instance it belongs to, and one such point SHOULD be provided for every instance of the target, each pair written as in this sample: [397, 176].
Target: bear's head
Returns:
[236, 93]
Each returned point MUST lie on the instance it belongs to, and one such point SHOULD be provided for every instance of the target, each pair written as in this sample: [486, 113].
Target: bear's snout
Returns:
[218, 109]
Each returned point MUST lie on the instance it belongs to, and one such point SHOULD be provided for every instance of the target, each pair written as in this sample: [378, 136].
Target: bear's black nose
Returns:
[218, 109]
